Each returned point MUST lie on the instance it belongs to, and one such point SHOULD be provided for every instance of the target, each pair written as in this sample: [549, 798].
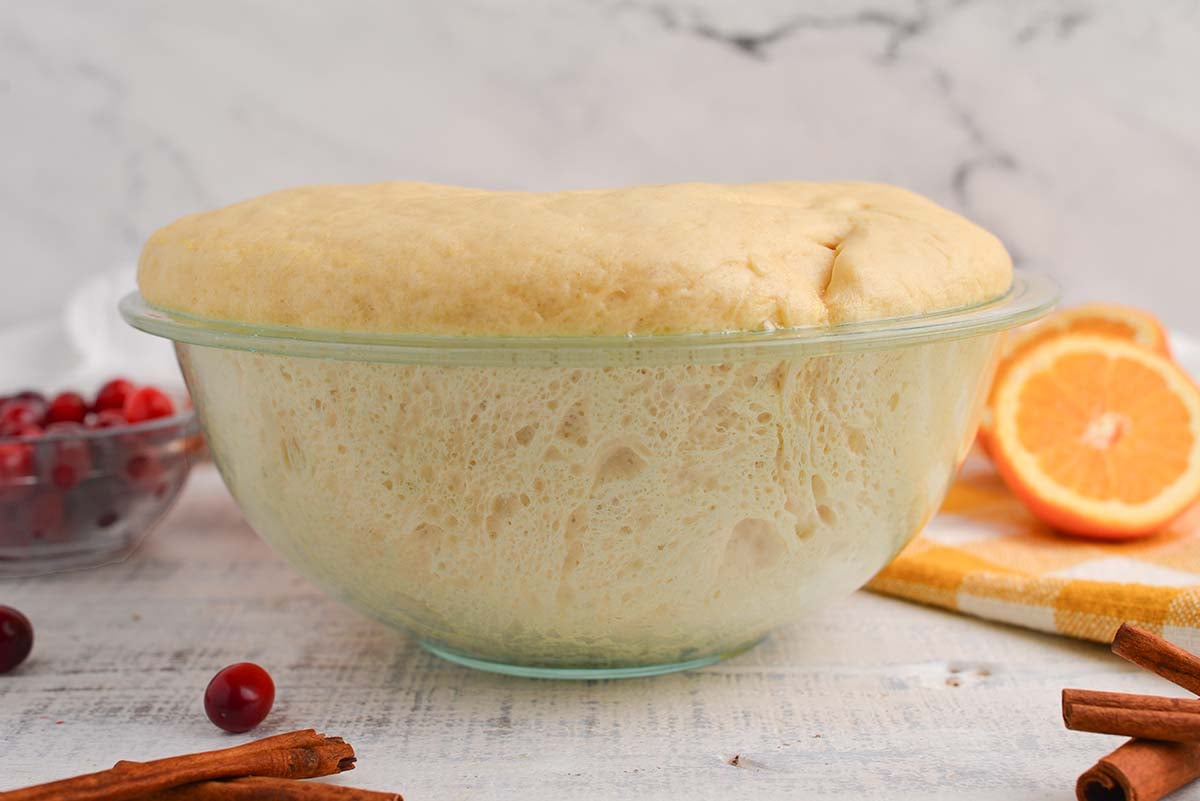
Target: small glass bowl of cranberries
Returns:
[82, 481]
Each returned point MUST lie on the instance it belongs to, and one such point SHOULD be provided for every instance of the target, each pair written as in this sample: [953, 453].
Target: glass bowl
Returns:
[592, 506]
[79, 499]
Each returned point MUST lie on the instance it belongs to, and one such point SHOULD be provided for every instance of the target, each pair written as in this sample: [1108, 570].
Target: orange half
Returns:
[1103, 319]
[1098, 436]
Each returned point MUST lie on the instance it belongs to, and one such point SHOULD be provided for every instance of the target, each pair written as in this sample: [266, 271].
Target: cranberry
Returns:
[105, 418]
[16, 463]
[46, 517]
[67, 407]
[17, 473]
[72, 458]
[144, 471]
[239, 697]
[147, 403]
[29, 430]
[20, 412]
[31, 395]
[16, 638]
[113, 394]
[101, 502]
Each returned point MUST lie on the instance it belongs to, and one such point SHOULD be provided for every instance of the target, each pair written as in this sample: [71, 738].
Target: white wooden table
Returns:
[872, 698]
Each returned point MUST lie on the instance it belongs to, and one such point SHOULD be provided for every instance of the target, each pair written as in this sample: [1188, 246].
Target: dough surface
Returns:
[422, 258]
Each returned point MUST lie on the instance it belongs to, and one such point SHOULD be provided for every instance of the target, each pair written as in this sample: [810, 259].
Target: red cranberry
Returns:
[46, 517]
[20, 412]
[31, 395]
[144, 471]
[16, 638]
[239, 697]
[17, 473]
[147, 403]
[67, 407]
[72, 458]
[106, 418]
[113, 394]
[16, 462]
[25, 431]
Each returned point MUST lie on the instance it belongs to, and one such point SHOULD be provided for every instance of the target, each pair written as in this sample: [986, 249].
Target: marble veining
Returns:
[1070, 128]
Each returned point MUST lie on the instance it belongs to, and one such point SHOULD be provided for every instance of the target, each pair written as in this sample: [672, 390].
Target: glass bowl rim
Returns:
[182, 419]
[1030, 296]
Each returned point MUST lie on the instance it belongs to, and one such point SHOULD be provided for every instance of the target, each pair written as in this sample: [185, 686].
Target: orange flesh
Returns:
[1072, 322]
[1100, 320]
[1096, 325]
[1107, 428]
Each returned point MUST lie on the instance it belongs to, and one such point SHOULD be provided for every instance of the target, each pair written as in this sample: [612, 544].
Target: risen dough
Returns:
[421, 258]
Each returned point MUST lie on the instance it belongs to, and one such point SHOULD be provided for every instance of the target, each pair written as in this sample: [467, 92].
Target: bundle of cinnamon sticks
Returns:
[267, 768]
[1164, 753]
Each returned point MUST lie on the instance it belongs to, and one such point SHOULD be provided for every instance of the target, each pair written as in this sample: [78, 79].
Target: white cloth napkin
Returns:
[85, 345]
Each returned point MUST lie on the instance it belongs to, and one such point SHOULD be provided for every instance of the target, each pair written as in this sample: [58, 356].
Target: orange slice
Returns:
[1098, 436]
[1104, 319]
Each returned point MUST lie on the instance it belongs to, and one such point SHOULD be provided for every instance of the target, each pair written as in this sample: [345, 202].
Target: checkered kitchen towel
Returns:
[986, 555]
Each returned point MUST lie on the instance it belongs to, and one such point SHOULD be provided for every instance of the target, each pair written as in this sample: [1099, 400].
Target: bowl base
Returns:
[582, 672]
[19, 562]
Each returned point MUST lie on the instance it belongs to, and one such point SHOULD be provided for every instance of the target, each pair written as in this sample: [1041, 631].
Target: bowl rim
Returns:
[1029, 297]
[182, 418]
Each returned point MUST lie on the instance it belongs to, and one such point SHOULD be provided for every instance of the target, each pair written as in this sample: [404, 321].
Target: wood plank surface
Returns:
[870, 698]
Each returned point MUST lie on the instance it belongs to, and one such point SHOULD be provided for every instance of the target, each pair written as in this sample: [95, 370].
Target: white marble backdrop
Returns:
[1071, 129]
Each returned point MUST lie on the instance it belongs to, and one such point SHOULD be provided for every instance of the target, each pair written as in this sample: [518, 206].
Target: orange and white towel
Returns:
[986, 555]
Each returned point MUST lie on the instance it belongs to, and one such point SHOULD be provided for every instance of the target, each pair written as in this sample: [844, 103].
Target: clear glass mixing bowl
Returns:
[592, 506]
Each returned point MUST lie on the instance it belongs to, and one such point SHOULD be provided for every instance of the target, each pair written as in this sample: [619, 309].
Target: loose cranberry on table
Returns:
[147, 403]
[239, 697]
[16, 638]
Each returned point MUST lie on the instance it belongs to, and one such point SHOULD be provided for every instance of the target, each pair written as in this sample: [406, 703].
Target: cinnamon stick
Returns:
[1147, 716]
[257, 788]
[1140, 770]
[297, 755]
[1146, 650]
